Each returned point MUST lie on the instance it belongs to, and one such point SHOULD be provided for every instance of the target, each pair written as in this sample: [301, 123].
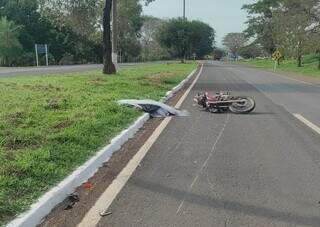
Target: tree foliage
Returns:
[292, 20]
[39, 26]
[10, 47]
[73, 30]
[81, 16]
[260, 24]
[252, 50]
[129, 25]
[291, 26]
[202, 39]
[234, 41]
[184, 38]
[151, 48]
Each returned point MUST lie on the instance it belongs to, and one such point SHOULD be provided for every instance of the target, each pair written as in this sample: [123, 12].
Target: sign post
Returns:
[276, 56]
[41, 49]
[37, 58]
[47, 59]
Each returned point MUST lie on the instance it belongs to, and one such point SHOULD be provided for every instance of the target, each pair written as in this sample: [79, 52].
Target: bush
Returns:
[67, 59]
[27, 59]
[51, 60]
[310, 58]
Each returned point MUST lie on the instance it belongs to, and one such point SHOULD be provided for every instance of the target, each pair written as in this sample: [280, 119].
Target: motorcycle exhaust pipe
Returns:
[230, 101]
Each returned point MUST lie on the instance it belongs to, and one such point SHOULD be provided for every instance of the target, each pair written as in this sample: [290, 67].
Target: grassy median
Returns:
[51, 124]
[309, 66]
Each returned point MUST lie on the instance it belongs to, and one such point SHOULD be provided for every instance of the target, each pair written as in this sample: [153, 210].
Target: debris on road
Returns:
[105, 213]
[88, 186]
[154, 108]
[72, 200]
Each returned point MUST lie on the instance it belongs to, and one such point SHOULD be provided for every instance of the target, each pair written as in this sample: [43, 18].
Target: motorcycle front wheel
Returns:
[244, 105]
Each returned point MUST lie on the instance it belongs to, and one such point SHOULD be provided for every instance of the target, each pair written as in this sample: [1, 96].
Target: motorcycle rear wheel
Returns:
[245, 105]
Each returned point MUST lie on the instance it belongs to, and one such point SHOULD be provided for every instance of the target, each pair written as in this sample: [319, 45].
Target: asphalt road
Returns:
[260, 169]
[16, 71]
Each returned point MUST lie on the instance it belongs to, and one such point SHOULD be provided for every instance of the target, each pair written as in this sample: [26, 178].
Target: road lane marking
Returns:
[308, 123]
[206, 161]
[93, 217]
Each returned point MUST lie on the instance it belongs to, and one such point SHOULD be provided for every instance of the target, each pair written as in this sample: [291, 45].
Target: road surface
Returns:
[15, 71]
[260, 169]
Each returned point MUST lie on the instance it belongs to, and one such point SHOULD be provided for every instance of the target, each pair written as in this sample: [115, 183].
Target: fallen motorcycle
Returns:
[223, 101]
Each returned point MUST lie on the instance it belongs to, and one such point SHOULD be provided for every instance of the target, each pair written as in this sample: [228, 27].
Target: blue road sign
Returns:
[41, 48]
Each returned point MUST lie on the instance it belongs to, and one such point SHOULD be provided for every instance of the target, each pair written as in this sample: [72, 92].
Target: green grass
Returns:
[309, 67]
[51, 124]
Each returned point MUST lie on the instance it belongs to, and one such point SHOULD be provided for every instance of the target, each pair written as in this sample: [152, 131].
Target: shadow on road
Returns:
[234, 206]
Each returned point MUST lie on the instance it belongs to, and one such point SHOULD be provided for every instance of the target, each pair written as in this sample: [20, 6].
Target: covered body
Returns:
[154, 108]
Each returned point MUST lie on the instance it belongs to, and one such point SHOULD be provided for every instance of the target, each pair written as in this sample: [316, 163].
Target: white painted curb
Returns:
[171, 93]
[49, 200]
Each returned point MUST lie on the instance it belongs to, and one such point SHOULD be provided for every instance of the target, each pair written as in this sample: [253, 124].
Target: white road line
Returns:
[206, 161]
[93, 217]
[308, 123]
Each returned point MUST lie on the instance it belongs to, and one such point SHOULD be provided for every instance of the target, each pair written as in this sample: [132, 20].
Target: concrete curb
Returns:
[171, 93]
[56, 195]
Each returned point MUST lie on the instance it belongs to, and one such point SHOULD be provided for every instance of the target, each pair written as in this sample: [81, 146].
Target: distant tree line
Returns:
[73, 31]
[290, 26]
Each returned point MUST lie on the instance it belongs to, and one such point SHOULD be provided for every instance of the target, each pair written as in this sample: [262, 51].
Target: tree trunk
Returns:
[318, 55]
[300, 60]
[278, 61]
[114, 31]
[299, 54]
[108, 66]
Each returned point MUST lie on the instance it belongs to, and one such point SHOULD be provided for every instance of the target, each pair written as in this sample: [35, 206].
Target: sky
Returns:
[223, 15]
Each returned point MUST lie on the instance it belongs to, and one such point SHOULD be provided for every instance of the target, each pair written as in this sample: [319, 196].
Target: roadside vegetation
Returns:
[51, 124]
[309, 66]
[291, 27]
[72, 30]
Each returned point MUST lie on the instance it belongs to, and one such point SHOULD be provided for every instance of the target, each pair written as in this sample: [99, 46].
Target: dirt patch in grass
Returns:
[160, 76]
[97, 82]
[16, 118]
[15, 143]
[55, 104]
[63, 124]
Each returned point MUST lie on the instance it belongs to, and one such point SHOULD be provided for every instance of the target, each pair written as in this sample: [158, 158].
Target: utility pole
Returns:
[184, 43]
[184, 9]
[114, 33]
